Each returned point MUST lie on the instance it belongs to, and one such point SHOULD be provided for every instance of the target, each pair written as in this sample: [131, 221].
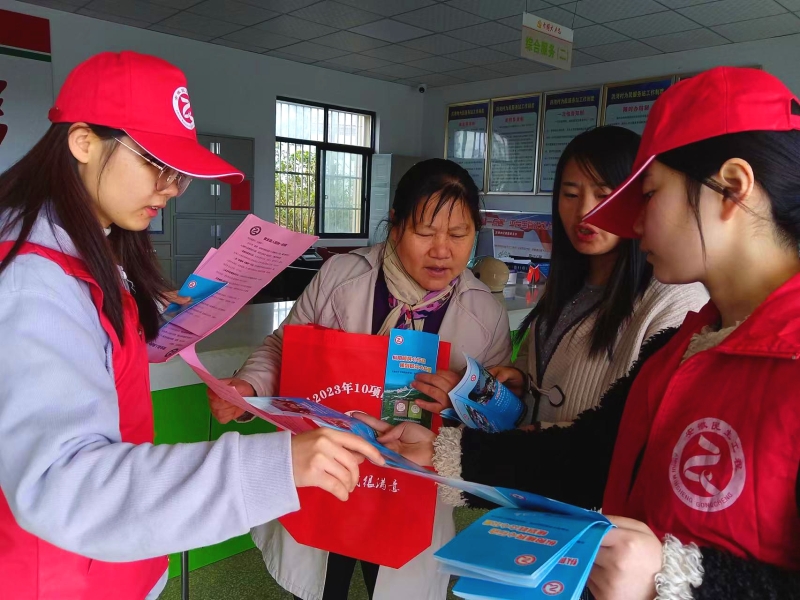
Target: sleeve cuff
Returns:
[681, 570]
[447, 462]
[267, 477]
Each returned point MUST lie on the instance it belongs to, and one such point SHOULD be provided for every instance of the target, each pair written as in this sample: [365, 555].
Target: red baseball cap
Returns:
[717, 102]
[146, 97]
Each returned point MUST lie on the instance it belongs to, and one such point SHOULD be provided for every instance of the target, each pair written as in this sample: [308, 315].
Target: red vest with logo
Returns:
[32, 569]
[708, 449]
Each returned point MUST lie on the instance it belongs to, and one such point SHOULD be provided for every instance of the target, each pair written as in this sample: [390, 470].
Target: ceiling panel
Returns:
[486, 33]
[139, 11]
[759, 29]
[202, 25]
[391, 31]
[176, 4]
[790, 4]
[439, 18]
[329, 64]
[601, 11]
[400, 71]
[295, 28]
[686, 40]
[597, 35]
[237, 45]
[62, 5]
[390, 7]
[287, 56]
[433, 80]
[262, 39]
[490, 9]
[233, 12]
[359, 62]
[105, 17]
[652, 25]
[479, 56]
[476, 74]
[179, 32]
[336, 15]
[730, 11]
[582, 59]
[521, 66]
[438, 64]
[623, 50]
[347, 40]
[682, 3]
[439, 44]
[381, 76]
[282, 6]
[514, 47]
[397, 53]
[315, 51]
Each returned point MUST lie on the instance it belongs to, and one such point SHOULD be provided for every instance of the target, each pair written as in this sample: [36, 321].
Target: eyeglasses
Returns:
[166, 175]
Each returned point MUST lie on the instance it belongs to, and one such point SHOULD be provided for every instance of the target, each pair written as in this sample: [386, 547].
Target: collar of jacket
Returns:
[773, 330]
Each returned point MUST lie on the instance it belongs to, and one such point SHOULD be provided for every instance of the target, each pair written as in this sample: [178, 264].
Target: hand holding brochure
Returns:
[532, 547]
[482, 402]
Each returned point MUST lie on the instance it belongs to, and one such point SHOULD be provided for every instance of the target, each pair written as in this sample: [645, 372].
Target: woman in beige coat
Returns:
[417, 279]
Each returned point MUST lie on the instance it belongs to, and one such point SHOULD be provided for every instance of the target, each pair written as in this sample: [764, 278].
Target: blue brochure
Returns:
[197, 289]
[481, 402]
[410, 352]
[566, 579]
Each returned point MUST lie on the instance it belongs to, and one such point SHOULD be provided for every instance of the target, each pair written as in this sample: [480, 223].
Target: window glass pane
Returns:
[299, 121]
[349, 128]
[295, 186]
[344, 192]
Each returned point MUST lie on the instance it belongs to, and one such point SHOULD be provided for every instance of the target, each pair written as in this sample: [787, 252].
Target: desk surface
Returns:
[226, 349]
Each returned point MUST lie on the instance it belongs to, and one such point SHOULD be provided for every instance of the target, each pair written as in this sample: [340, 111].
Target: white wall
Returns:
[233, 92]
[778, 56]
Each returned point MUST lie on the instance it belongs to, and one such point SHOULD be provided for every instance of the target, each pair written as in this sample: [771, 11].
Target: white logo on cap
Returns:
[182, 107]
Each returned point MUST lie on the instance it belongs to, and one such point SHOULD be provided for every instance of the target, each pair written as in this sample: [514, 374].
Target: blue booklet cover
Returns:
[481, 402]
[566, 579]
[514, 546]
[195, 288]
[410, 352]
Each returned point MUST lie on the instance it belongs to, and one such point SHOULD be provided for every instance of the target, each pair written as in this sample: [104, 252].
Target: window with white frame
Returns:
[322, 165]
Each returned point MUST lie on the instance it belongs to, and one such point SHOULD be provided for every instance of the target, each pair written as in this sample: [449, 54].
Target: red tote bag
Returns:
[388, 519]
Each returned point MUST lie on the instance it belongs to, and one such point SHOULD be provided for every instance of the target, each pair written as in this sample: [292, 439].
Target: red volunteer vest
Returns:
[32, 569]
[718, 437]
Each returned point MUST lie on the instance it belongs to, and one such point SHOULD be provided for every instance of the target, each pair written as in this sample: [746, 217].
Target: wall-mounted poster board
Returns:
[26, 84]
[566, 114]
[465, 137]
[628, 104]
[513, 144]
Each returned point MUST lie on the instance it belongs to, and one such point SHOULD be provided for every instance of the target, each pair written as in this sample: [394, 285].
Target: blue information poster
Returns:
[467, 125]
[566, 114]
[627, 105]
[515, 135]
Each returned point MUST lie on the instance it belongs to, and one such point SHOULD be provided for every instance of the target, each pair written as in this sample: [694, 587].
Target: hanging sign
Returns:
[546, 42]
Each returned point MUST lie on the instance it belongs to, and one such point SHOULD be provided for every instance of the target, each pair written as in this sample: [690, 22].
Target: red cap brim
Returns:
[618, 213]
[186, 156]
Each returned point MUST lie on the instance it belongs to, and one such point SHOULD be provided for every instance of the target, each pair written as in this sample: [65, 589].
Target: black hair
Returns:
[47, 179]
[607, 155]
[774, 157]
[434, 180]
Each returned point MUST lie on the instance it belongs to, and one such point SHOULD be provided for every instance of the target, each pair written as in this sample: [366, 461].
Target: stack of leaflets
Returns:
[410, 352]
[481, 402]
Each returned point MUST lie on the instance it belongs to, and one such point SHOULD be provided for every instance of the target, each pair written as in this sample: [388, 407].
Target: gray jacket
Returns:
[64, 471]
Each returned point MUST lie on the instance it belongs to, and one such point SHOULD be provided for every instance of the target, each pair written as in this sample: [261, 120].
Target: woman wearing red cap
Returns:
[697, 450]
[89, 506]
